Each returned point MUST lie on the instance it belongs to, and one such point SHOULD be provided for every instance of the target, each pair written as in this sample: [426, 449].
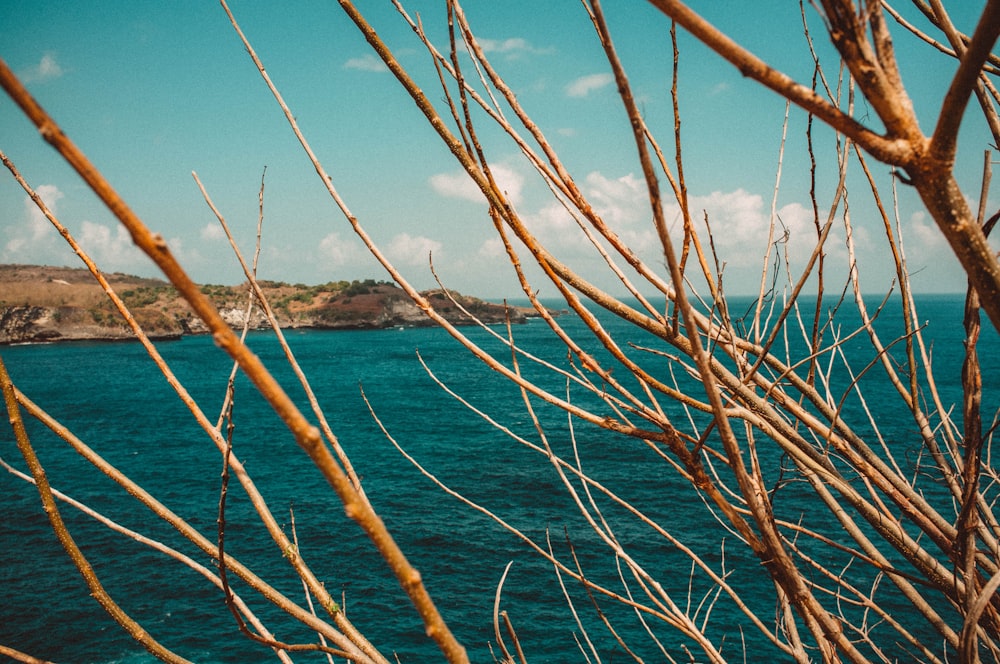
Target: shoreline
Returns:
[130, 338]
[41, 304]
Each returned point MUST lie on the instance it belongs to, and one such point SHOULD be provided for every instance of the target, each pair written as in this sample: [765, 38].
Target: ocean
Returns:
[114, 399]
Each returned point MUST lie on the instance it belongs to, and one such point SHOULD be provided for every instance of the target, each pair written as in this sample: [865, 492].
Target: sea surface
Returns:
[114, 399]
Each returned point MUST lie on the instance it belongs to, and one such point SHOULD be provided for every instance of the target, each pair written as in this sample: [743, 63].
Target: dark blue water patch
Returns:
[115, 401]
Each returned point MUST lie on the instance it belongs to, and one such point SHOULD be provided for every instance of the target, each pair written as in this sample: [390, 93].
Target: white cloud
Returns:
[740, 225]
[584, 85]
[512, 47]
[862, 236]
[504, 45]
[718, 88]
[456, 185]
[623, 204]
[112, 249]
[510, 181]
[619, 201]
[739, 222]
[212, 232]
[47, 68]
[50, 195]
[460, 185]
[551, 220]
[366, 62]
[735, 217]
[339, 252]
[924, 245]
[36, 235]
[492, 248]
[925, 232]
[405, 249]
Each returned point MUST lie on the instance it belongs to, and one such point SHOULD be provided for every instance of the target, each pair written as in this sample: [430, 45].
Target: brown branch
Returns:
[507, 659]
[257, 295]
[153, 544]
[349, 631]
[155, 246]
[79, 560]
[355, 504]
[947, 205]
[945, 137]
[993, 66]
[192, 535]
[19, 656]
[873, 65]
[928, 162]
[306, 435]
[972, 392]
[983, 88]
[888, 149]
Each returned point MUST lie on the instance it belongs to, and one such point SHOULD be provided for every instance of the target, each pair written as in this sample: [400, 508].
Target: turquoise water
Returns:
[113, 398]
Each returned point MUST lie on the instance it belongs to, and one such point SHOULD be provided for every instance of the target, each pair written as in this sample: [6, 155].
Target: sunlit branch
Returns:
[80, 561]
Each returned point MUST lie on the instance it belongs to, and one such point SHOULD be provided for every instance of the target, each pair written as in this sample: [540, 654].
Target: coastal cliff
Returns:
[46, 304]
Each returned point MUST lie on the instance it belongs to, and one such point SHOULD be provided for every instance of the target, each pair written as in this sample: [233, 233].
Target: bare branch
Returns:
[888, 149]
[943, 141]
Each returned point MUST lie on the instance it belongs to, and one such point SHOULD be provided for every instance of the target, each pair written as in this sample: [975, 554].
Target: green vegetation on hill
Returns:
[40, 303]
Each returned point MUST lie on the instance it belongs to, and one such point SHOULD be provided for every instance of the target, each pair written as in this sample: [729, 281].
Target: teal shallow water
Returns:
[111, 396]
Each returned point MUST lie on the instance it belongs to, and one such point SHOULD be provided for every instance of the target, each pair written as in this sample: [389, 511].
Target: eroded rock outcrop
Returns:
[45, 304]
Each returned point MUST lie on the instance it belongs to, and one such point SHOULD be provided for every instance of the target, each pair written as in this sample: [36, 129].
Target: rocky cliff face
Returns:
[31, 324]
[28, 323]
[43, 304]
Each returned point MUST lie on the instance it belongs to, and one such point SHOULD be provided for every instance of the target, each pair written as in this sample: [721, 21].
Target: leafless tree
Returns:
[737, 407]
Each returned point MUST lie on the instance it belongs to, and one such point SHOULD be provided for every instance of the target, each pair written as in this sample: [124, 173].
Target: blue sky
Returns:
[152, 91]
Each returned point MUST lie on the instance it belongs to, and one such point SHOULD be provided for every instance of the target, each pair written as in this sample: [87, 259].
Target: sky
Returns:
[153, 91]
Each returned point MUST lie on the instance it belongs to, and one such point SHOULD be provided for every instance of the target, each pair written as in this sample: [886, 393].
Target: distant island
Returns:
[45, 304]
